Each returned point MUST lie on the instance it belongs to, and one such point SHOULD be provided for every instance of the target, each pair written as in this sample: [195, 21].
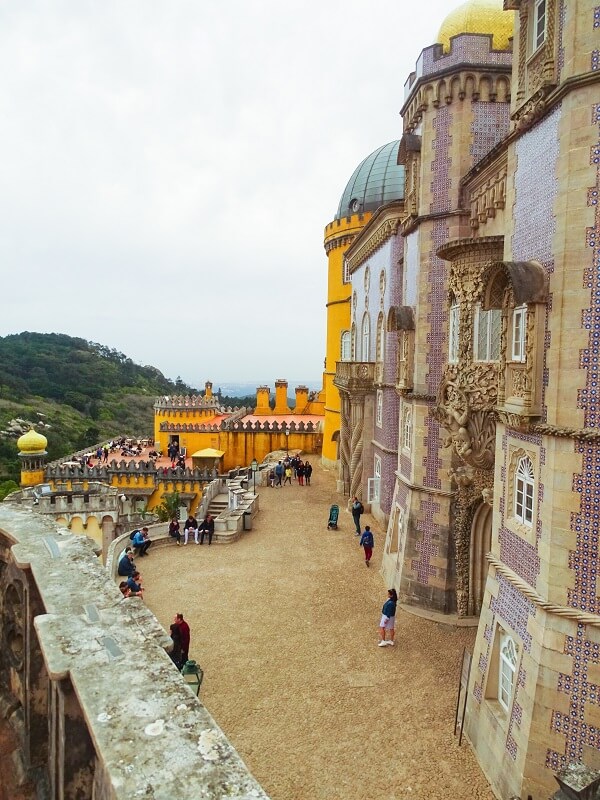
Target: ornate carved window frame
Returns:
[379, 408]
[518, 286]
[513, 521]
[453, 330]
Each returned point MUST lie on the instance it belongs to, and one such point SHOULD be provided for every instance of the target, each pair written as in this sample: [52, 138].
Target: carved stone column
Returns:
[344, 471]
[357, 416]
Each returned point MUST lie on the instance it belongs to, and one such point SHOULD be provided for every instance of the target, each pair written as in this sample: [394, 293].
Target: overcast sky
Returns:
[169, 168]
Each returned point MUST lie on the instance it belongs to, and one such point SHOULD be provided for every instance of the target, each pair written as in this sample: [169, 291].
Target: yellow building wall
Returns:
[339, 235]
[32, 477]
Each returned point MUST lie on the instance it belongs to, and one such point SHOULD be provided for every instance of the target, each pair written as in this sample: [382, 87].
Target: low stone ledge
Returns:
[142, 730]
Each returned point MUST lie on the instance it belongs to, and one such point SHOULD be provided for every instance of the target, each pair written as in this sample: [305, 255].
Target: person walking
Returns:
[367, 543]
[288, 475]
[300, 473]
[357, 509]
[388, 619]
[307, 472]
[279, 473]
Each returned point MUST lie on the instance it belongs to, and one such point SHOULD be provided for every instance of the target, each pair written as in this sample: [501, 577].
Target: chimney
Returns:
[263, 408]
[208, 390]
[281, 406]
[301, 399]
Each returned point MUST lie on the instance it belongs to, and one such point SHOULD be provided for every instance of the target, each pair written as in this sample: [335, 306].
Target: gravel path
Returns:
[284, 624]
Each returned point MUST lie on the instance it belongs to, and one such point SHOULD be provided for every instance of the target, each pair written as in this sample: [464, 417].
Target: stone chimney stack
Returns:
[281, 406]
[208, 390]
[301, 399]
[262, 401]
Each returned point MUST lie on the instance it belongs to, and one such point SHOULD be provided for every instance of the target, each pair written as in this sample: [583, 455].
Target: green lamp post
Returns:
[192, 675]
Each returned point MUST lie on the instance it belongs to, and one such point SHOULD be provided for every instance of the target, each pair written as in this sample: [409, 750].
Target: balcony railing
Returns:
[355, 375]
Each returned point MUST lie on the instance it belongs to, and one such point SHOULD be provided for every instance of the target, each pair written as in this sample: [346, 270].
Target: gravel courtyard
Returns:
[284, 624]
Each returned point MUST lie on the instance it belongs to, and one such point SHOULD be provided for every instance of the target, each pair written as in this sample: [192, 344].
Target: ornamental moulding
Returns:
[339, 241]
[384, 231]
[524, 588]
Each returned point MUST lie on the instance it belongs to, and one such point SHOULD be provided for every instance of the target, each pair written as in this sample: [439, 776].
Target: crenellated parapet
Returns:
[472, 70]
[187, 401]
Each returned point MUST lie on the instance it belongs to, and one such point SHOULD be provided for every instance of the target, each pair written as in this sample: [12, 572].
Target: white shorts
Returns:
[387, 622]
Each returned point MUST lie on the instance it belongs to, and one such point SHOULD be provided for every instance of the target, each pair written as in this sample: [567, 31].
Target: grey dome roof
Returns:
[377, 180]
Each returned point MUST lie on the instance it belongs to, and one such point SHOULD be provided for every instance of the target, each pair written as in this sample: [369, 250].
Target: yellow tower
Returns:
[32, 452]
[377, 180]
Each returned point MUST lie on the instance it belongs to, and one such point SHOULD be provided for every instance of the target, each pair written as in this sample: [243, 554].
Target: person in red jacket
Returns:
[184, 630]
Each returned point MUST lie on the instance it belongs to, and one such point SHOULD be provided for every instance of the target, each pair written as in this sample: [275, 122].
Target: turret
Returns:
[32, 452]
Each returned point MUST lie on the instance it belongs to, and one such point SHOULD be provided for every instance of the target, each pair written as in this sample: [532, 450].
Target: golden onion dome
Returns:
[32, 442]
[478, 16]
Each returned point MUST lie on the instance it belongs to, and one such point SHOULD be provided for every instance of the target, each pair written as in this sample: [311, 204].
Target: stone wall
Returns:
[86, 682]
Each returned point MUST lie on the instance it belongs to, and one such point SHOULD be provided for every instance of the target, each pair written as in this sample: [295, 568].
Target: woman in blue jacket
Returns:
[388, 619]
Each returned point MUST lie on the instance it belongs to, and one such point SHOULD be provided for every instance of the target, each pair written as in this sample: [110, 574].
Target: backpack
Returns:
[368, 539]
[132, 534]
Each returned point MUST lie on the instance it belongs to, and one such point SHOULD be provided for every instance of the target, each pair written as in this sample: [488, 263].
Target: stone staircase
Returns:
[220, 502]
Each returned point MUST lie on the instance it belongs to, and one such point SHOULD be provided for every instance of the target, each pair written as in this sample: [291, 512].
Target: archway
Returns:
[481, 543]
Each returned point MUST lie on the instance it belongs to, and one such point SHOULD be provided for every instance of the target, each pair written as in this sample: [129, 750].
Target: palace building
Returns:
[467, 386]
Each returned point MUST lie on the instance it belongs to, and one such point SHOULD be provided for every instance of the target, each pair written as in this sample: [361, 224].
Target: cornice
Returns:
[412, 223]
[381, 227]
[463, 66]
[339, 241]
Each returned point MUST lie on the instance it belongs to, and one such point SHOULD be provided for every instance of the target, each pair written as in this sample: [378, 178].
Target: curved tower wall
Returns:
[339, 235]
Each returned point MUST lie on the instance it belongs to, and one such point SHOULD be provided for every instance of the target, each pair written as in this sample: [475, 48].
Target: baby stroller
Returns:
[334, 513]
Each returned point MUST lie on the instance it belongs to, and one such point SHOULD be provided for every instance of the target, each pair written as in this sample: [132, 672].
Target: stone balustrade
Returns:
[86, 682]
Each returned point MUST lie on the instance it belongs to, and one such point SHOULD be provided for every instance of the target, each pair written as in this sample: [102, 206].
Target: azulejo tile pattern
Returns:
[426, 547]
[490, 125]
[572, 726]
[515, 609]
[466, 49]
[584, 559]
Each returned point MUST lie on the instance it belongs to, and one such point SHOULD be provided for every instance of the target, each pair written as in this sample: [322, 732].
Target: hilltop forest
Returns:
[83, 391]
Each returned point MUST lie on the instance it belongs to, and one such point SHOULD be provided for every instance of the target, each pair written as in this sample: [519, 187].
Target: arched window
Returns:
[524, 490]
[366, 337]
[346, 346]
[507, 671]
[380, 356]
[453, 322]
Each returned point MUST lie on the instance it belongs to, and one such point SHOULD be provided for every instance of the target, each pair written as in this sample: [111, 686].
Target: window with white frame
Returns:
[346, 346]
[524, 491]
[486, 334]
[379, 408]
[366, 337]
[380, 339]
[347, 277]
[519, 328]
[374, 487]
[507, 670]
[454, 320]
[539, 23]
[407, 428]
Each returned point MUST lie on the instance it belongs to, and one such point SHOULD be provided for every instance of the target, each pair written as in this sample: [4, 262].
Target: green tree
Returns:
[169, 507]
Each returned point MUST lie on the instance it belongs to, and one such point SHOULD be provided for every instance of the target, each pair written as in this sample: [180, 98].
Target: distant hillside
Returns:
[80, 392]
